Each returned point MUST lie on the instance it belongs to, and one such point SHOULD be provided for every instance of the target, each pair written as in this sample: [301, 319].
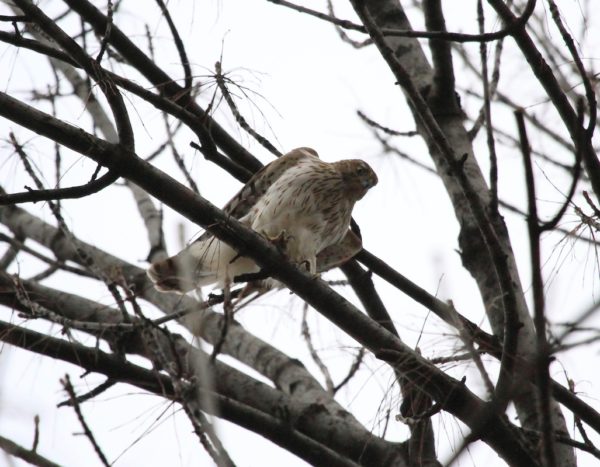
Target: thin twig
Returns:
[170, 133]
[212, 300]
[352, 370]
[542, 349]
[106, 36]
[493, 87]
[385, 129]
[36, 433]
[34, 310]
[29, 456]
[343, 36]
[36, 46]
[74, 192]
[552, 223]
[488, 114]
[220, 79]
[109, 383]
[447, 36]
[226, 322]
[591, 204]
[314, 354]
[66, 382]
[237, 171]
[185, 63]
[589, 89]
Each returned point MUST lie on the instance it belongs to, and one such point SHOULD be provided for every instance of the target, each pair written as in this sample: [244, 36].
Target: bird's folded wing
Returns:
[337, 254]
[257, 186]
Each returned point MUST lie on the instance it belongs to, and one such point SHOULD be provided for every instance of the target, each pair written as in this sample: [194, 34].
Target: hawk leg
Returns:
[282, 241]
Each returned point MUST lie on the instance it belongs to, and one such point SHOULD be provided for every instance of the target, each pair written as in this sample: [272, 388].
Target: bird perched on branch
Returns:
[299, 202]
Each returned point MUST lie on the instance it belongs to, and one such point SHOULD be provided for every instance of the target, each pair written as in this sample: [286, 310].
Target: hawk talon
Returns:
[280, 240]
[310, 267]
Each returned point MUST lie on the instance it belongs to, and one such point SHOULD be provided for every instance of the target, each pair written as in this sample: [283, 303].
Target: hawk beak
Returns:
[369, 182]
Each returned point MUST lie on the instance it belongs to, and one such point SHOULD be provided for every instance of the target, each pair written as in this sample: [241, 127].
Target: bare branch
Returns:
[314, 354]
[66, 382]
[220, 78]
[187, 71]
[28, 455]
[487, 112]
[543, 351]
[441, 35]
[547, 79]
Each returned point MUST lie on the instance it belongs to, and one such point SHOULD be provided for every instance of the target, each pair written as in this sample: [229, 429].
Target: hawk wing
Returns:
[257, 186]
[337, 254]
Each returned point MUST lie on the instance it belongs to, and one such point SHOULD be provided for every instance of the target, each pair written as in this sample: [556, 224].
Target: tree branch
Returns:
[441, 35]
[315, 292]
[28, 455]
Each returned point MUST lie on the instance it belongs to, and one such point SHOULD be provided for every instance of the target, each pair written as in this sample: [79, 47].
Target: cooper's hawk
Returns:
[299, 202]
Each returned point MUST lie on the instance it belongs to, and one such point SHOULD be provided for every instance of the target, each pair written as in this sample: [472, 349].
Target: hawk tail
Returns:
[202, 263]
[173, 274]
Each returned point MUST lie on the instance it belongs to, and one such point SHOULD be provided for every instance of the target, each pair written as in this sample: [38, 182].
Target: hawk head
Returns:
[357, 175]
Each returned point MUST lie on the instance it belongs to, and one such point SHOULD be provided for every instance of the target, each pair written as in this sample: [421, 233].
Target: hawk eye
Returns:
[361, 170]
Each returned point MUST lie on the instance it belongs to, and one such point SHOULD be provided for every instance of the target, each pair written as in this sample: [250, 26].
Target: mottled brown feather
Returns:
[299, 201]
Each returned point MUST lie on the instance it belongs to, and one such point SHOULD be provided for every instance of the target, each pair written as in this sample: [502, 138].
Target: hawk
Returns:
[299, 202]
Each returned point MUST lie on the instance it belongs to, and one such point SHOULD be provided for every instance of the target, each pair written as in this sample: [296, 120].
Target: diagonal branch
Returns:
[240, 398]
[463, 403]
[455, 165]
[66, 382]
[73, 192]
[185, 63]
